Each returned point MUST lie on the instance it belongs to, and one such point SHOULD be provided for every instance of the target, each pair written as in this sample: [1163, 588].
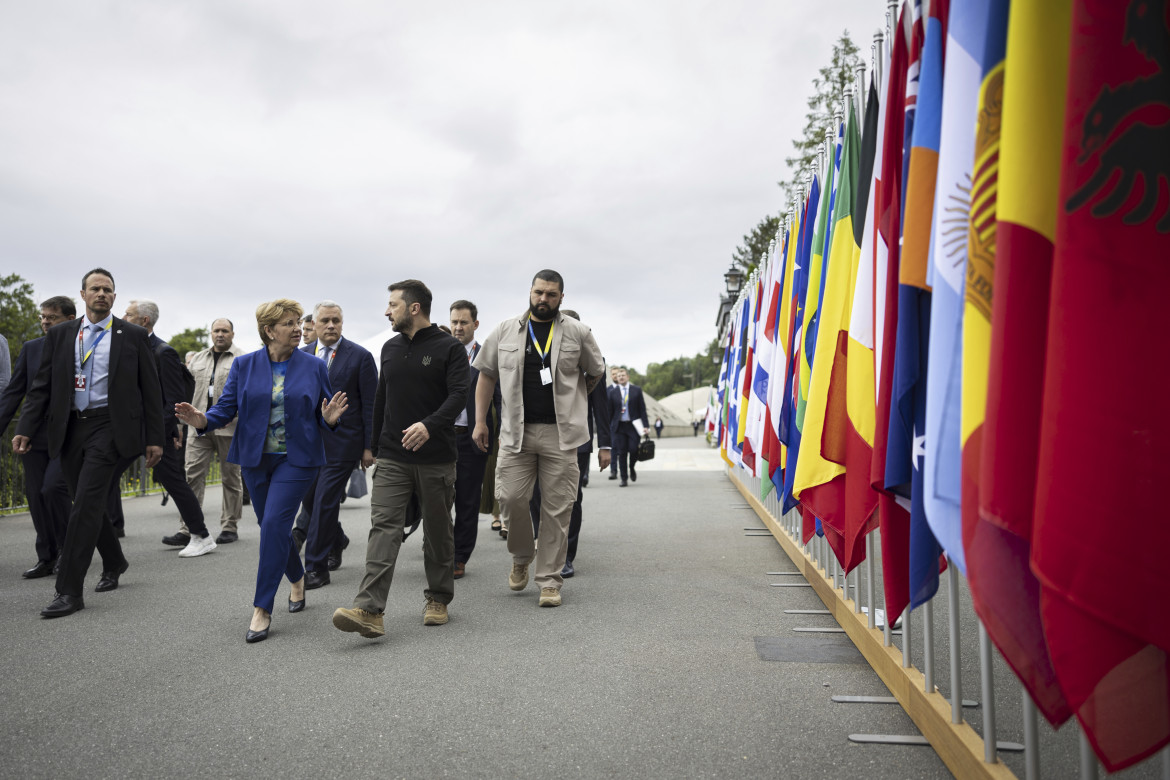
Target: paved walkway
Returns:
[654, 667]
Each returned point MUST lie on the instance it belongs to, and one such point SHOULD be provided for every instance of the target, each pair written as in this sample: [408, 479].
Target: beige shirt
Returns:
[201, 367]
[575, 354]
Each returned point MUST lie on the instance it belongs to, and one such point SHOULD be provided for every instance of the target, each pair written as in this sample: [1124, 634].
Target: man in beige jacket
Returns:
[210, 368]
[545, 363]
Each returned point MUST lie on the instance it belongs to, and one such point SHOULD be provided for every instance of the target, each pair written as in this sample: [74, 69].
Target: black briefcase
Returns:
[646, 450]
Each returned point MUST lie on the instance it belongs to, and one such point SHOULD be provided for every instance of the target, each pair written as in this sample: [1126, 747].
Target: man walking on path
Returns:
[44, 484]
[210, 368]
[98, 387]
[469, 469]
[348, 446]
[545, 363]
[421, 390]
[627, 411]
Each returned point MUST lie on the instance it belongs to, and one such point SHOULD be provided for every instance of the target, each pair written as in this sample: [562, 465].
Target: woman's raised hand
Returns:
[332, 409]
[189, 415]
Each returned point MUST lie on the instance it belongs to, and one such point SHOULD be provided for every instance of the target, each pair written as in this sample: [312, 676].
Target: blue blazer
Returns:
[248, 396]
[354, 372]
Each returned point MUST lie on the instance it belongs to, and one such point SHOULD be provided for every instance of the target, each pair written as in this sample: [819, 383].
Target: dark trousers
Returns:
[305, 516]
[323, 502]
[469, 469]
[48, 501]
[277, 488]
[90, 462]
[171, 474]
[394, 486]
[575, 517]
[625, 446]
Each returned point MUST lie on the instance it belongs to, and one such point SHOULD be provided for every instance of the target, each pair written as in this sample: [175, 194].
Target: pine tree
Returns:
[828, 93]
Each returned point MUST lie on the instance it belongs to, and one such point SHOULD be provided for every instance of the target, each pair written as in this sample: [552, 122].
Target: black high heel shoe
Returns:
[256, 636]
[296, 606]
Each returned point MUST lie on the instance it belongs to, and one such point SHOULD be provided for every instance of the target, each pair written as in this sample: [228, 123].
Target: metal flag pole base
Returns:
[833, 630]
[884, 700]
[911, 739]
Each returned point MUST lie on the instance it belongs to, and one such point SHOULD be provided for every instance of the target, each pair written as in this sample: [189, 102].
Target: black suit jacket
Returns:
[599, 412]
[353, 372]
[174, 389]
[497, 399]
[135, 394]
[23, 374]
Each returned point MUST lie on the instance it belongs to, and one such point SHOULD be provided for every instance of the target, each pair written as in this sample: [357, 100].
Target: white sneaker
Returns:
[199, 545]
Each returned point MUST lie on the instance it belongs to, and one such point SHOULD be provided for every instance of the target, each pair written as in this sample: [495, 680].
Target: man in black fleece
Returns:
[422, 387]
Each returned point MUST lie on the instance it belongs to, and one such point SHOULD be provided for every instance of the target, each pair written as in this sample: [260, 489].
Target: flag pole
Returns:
[1031, 737]
[1088, 760]
[953, 620]
[879, 63]
[891, 21]
[987, 683]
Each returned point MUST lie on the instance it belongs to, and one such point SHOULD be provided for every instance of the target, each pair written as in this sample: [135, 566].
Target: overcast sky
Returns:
[215, 154]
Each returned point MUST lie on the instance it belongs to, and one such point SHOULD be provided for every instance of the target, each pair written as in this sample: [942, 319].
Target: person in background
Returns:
[169, 470]
[44, 482]
[349, 446]
[211, 368]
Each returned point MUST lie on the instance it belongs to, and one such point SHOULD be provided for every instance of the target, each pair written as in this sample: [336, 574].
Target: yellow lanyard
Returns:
[547, 344]
[93, 346]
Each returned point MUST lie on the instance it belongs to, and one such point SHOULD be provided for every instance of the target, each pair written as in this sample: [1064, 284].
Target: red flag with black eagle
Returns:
[1099, 550]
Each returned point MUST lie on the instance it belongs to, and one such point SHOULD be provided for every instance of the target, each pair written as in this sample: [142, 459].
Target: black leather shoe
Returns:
[63, 605]
[568, 571]
[226, 537]
[613, 476]
[296, 606]
[109, 579]
[316, 579]
[256, 636]
[42, 569]
[624, 483]
[298, 537]
[177, 540]
[633, 474]
[334, 560]
[344, 542]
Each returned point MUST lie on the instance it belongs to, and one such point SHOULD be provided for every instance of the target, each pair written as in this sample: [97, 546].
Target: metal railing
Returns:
[137, 481]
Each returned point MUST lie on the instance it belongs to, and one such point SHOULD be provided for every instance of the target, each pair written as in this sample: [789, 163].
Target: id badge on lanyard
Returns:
[545, 371]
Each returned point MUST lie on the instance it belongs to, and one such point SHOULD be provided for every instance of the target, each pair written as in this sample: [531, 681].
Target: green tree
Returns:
[828, 92]
[190, 340]
[755, 244]
[19, 313]
[680, 373]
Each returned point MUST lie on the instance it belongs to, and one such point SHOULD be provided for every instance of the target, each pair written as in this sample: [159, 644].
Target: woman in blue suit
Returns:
[282, 399]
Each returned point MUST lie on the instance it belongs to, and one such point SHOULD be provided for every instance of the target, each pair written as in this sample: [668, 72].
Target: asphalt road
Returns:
[653, 667]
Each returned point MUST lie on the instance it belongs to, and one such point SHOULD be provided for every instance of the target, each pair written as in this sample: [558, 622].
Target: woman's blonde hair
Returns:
[268, 314]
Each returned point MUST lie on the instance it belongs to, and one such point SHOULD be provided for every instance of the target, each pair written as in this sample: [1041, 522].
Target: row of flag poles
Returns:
[959, 335]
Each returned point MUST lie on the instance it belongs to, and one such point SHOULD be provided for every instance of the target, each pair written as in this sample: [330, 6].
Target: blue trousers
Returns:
[276, 487]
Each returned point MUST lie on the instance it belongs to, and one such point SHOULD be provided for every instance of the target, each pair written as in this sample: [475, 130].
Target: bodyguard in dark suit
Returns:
[44, 483]
[598, 423]
[99, 390]
[352, 370]
[471, 461]
[169, 472]
[626, 404]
